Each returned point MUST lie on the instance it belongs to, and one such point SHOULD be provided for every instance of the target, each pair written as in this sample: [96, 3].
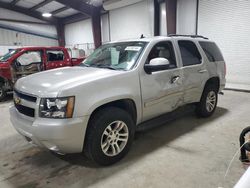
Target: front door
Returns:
[29, 62]
[162, 90]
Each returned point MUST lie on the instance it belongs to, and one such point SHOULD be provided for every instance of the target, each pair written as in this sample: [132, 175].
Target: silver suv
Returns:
[96, 106]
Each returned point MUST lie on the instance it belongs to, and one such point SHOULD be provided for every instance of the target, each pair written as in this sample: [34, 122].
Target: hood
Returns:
[50, 83]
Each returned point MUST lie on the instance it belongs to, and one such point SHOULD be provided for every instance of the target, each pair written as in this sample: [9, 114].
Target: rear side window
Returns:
[189, 53]
[212, 51]
[55, 55]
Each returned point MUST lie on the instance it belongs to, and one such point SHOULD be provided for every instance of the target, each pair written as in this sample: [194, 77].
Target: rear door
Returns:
[56, 59]
[194, 70]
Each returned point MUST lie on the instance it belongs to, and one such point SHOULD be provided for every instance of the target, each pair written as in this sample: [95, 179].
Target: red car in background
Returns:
[25, 61]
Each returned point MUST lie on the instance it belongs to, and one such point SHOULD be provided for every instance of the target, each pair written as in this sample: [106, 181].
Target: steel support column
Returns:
[171, 10]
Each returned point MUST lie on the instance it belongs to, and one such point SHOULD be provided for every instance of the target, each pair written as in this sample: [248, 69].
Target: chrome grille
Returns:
[25, 104]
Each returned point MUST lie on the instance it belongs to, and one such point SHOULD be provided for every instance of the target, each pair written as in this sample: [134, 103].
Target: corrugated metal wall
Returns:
[13, 34]
[12, 39]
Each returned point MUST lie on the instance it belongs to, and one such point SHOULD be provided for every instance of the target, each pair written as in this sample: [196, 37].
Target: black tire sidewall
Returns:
[201, 109]
[97, 126]
[3, 95]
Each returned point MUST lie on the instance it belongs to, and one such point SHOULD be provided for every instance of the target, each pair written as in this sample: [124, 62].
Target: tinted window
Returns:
[189, 53]
[212, 51]
[165, 50]
[55, 55]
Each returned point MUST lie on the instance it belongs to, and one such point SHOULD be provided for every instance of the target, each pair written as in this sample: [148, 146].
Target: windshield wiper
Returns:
[102, 66]
[109, 67]
[84, 65]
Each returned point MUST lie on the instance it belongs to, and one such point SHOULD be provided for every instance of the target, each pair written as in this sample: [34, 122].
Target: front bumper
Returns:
[58, 135]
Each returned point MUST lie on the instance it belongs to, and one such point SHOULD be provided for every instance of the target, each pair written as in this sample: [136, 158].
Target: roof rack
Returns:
[192, 36]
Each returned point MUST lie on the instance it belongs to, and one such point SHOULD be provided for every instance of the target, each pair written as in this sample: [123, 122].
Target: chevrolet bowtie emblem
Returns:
[17, 100]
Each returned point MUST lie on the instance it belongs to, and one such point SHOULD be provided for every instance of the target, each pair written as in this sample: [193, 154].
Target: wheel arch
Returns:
[126, 104]
[2, 80]
[213, 81]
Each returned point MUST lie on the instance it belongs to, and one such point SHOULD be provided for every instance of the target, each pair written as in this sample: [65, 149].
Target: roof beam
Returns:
[28, 12]
[59, 10]
[43, 3]
[60, 34]
[74, 18]
[14, 2]
[23, 21]
[81, 6]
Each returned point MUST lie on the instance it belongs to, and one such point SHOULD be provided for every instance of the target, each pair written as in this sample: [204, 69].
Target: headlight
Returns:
[57, 107]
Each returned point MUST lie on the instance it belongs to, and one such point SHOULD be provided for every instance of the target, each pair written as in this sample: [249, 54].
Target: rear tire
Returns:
[3, 93]
[109, 136]
[208, 102]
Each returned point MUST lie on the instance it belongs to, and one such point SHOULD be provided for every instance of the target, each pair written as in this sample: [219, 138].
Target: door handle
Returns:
[202, 71]
[174, 79]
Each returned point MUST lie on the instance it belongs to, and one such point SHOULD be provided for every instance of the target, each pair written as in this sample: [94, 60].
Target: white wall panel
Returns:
[79, 33]
[227, 23]
[105, 28]
[186, 17]
[163, 19]
[132, 21]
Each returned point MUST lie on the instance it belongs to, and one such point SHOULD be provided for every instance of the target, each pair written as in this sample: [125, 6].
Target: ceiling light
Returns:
[47, 14]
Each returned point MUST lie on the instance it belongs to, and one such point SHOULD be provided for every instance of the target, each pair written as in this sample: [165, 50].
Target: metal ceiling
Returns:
[62, 10]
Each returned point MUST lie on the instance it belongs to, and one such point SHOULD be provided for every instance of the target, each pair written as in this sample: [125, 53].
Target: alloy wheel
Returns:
[114, 138]
[211, 101]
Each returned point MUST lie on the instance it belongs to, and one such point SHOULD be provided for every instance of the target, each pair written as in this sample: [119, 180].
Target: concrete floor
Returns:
[184, 152]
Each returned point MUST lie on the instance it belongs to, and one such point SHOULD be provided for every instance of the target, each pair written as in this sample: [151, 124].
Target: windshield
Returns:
[8, 55]
[116, 56]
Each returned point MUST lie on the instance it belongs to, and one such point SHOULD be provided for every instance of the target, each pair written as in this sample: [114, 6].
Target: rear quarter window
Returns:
[212, 51]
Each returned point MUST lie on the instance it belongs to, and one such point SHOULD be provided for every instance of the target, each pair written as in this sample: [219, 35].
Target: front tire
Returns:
[208, 102]
[109, 136]
[2, 92]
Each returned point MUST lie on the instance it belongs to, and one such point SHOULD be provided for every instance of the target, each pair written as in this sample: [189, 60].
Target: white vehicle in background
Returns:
[96, 106]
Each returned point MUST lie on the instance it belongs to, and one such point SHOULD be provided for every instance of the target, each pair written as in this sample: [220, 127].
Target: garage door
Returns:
[227, 23]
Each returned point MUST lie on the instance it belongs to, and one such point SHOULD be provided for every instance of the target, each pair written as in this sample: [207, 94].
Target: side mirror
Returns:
[156, 64]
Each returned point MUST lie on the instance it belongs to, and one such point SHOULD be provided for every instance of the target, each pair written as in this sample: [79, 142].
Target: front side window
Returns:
[117, 56]
[29, 57]
[164, 50]
[189, 53]
[212, 51]
[55, 55]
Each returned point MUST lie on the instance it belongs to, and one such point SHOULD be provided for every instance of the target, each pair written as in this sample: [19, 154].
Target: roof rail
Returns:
[192, 36]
